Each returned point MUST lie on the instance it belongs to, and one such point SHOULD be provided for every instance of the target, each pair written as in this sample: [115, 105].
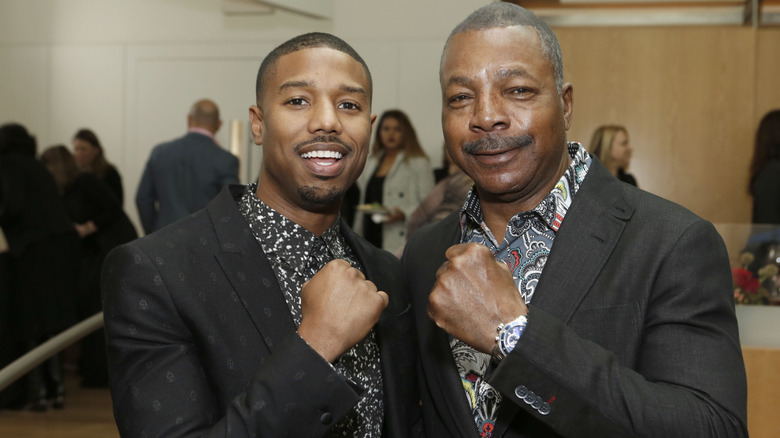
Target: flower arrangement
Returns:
[749, 288]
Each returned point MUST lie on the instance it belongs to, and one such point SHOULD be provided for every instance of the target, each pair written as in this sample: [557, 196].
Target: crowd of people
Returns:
[528, 288]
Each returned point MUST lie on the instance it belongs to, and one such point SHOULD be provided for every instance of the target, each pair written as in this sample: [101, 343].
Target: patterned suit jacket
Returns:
[201, 341]
[631, 331]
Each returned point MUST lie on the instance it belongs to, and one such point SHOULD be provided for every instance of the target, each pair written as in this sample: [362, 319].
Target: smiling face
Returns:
[314, 123]
[503, 118]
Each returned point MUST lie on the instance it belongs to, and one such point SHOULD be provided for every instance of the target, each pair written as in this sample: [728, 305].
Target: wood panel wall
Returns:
[690, 98]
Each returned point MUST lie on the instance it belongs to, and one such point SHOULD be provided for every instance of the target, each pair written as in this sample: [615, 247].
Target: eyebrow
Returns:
[512, 72]
[502, 73]
[312, 84]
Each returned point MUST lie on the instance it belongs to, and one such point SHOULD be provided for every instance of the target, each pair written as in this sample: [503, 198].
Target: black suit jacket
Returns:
[201, 341]
[631, 330]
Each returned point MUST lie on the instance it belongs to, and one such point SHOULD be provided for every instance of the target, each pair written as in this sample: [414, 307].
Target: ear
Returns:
[567, 94]
[256, 120]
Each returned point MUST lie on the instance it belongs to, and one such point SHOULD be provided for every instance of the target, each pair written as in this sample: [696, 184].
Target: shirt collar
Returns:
[205, 132]
[290, 241]
[551, 209]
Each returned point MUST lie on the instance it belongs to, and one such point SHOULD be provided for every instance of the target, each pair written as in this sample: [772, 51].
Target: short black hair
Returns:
[509, 14]
[306, 41]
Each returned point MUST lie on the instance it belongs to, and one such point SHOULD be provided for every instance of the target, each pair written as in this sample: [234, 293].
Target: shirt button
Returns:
[326, 418]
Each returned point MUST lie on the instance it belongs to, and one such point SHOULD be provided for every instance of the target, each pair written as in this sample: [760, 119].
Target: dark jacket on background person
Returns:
[181, 177]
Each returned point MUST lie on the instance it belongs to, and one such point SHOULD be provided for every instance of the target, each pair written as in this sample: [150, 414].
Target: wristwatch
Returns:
[508, 335]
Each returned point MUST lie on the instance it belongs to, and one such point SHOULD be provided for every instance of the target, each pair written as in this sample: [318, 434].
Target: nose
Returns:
[325, 119]
[488, 114]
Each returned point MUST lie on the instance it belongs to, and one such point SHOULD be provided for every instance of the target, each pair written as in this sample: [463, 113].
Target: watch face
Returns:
[510, 334]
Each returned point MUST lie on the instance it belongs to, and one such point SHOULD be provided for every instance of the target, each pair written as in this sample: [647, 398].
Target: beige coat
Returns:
[406, 185]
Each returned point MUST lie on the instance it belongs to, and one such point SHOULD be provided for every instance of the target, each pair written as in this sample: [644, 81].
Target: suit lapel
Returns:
[586, 239]
[247, 268]
[441, 372]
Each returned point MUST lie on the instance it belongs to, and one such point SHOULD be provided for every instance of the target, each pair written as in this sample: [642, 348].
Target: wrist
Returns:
[507, 336]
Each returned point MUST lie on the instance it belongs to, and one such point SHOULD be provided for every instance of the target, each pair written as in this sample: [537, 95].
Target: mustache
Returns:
[322, 139]
[496, 143]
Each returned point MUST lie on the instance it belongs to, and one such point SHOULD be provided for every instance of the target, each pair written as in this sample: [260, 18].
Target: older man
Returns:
[560, 301]
[262, 315]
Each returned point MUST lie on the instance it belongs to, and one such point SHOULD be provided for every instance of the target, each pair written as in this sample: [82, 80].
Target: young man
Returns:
[262, 315]
[624, 327]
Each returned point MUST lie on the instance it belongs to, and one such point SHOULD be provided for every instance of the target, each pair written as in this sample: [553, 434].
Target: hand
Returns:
[85, 229]
[396, 216]
[338, 308]
[473, 294]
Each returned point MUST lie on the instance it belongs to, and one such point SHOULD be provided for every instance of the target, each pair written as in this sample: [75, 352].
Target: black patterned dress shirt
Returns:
[296, 254]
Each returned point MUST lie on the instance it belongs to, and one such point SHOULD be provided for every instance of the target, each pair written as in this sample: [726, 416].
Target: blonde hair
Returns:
[601, 143]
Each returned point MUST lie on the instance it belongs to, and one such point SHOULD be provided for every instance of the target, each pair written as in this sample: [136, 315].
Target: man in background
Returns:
[559, 301]
[183, 175]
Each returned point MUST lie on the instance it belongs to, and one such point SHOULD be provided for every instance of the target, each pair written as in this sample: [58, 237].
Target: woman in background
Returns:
[41, 268]
[397, 176]
[610, 144]
[90, 158]
[764, 184]
[102, 225]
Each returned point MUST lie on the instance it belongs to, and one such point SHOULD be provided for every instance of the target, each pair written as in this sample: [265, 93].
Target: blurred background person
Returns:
[183, 175]
[397, 176]
[90, 158]
[610, 144]
[764, 184]
[97, 216]
[448, 195]
[43, 266]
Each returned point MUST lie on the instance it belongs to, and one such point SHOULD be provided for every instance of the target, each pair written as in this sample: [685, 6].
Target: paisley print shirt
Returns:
[524, 248]
[296, 254]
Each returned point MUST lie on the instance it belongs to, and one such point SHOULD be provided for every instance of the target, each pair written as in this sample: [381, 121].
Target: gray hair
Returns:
[509, 14]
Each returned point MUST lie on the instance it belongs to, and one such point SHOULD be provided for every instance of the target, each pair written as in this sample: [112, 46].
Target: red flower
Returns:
[745, 280]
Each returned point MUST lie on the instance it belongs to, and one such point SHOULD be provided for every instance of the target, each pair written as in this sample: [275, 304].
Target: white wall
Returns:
[130, 69]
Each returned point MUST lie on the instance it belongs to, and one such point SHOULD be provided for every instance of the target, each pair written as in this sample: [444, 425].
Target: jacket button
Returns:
[521, 392]
[326, 418]
[545, 409]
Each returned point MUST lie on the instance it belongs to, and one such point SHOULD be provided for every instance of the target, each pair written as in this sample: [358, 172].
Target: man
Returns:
[624, 327]
[183, 175]
[256, 316]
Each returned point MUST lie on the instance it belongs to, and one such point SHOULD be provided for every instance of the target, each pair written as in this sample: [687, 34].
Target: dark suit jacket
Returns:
[631, 331]
[181, 177]
[201, 341]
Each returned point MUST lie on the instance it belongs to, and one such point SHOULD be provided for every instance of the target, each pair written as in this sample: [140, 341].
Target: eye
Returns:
[458, 100]
[297, 101]
[349, 106]
[520, 91]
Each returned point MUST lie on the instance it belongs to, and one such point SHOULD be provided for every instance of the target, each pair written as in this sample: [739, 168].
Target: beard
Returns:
[319, 196]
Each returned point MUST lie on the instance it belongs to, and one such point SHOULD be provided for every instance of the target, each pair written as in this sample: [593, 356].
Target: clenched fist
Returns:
[338, 309]
[473, 294]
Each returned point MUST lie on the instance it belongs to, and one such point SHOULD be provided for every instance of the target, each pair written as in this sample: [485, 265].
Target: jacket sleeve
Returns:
[145, 199]
[229, 172]
[688, 378]
[161, 385]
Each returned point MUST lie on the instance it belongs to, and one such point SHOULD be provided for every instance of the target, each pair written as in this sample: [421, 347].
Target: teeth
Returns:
[322, 154]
